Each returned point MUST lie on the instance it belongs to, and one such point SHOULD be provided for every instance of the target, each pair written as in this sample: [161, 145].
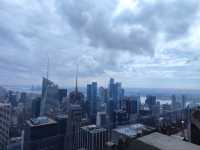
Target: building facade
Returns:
[93, 138]
[5, 120]
[73, 127]
[36, 103]
[92, 100]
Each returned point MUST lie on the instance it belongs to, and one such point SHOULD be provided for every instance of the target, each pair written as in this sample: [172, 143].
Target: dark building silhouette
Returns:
[195, 126]
[36, 103]
[73, 127]
[62, 121]
[110, 111]
[62, 93]
[132, 105]
[121, 117]
[5, 122]
[75, 96]
[42, 134]
[183, 102]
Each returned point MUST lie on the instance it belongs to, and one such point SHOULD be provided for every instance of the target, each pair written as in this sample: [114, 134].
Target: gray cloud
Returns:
[105, 44]
[172, 18]
[96, 24]
[9, 39]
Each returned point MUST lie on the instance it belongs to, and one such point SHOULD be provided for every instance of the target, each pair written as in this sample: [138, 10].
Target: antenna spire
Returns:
[77, 69]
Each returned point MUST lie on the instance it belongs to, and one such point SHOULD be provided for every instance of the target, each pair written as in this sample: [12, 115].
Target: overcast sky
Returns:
[142, 43]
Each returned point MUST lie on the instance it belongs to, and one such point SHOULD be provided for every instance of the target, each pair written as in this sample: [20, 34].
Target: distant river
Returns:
[162, 101]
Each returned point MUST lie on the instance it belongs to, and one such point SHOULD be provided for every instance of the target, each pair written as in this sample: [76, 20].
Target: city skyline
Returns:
[99, 75]
[138, 42]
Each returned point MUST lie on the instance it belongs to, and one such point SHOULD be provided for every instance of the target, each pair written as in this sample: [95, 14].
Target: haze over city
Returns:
[139, 42]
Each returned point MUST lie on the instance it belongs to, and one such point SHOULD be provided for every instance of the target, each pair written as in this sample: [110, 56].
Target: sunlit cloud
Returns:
[125, 5]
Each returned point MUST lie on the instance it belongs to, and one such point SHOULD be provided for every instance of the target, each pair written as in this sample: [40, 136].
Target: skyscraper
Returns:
[75, 96]
[132, 104]
[5, 120]
[183, 105]
[62, 94]
[62, 121]
[73, 127]
[102, 99]
[50, 99]
[111, 88]
[111, 112]
[103, 94]
[173, 102]
[36, 103]
[116, 92]
[122, 94]
[92, 99]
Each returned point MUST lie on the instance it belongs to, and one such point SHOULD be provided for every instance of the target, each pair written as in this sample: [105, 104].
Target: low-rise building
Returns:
[93, 137]
[130, 131]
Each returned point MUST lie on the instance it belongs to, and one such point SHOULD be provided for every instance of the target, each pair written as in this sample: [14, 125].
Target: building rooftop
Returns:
[61, 116]
[75, 107]
[93, 129]
[139, 145]
[40, 121]
[132, 130]
[164, 142]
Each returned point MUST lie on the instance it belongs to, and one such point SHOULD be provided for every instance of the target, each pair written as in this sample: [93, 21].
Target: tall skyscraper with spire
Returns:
[76, 88]
[75, 115]
[76, 97]
[50, 95]
[73, 127]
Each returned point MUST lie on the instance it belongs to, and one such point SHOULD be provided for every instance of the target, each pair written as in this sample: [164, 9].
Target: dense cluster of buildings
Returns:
[98, 119]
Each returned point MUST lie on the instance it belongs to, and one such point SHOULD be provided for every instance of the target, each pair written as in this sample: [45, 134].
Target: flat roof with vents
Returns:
[40, 121]
[164, 142]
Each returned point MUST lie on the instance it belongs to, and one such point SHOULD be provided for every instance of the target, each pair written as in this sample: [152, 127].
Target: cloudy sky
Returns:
[142, 43]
